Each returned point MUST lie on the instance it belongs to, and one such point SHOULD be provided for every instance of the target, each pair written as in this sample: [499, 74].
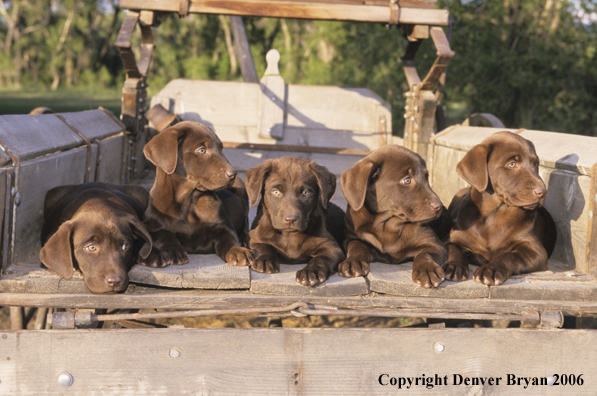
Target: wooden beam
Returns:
[140, 297]
[282, 361]
[357, 11]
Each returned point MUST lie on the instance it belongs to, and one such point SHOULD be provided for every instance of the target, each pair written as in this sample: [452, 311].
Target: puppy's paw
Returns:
[239, 256]
[490, 275]
[311, 275]
[455, 271]
[159, 258]
[352, 267]
[428, 275]
[266, 264]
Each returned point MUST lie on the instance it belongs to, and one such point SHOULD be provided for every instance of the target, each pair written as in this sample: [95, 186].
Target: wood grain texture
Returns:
[93, 124]
[290, 361]
[202, 272]
[152, 298]
[31, 136]
[396, 279]
[284, 283]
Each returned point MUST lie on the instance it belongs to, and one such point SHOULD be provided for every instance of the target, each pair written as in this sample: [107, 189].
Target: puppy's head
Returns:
[102, 243]
[291, 189]
[194, 151]
[505, 164]
[392, 180]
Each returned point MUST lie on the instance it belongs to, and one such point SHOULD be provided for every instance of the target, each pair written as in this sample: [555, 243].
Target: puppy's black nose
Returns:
[436, 205]
[290, 220]
[113, 280]
[231, 174]
[540, 192]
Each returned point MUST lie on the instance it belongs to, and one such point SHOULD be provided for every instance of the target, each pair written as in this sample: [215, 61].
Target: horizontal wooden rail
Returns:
[402, 12]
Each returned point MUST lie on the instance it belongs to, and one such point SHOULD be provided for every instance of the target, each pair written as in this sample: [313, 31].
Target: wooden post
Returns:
[16, 318]
[272, 102]
[243, 51]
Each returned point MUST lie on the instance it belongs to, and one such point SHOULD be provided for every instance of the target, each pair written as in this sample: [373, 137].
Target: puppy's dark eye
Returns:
[306, 193]
[406, 181]
[511, 164]
[276, 193]
[91, 248]
[125, 246]
[201, 150]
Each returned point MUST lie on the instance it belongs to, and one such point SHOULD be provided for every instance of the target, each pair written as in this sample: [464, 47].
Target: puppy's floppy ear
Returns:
[355, 180]
[254, 179]
[162, 150]
[326, 181]
[140, 230]
[55, 195]
[57, 253]
[473, 167]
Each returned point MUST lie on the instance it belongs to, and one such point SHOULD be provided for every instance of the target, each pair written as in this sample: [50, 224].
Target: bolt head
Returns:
[175, 353]
[65, 380]
[439, 347]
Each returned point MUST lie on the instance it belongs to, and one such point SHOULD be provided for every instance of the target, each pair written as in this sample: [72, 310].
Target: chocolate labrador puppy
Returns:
[499, 222]
[295, 221]
[393, 216]
[198, 205]
[96, 228]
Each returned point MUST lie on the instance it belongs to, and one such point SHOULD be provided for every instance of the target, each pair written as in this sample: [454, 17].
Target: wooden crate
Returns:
[44, 151]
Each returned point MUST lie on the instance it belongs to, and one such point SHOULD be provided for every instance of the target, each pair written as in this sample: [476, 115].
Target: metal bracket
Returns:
[134, 92]
[421, 103]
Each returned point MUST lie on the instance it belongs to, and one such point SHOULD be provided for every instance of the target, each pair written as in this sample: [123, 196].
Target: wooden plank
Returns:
[36, 178]
[31, 277]
[293, 361]
[575, 153]
[93, 124]
[31, 136]
[152, 298]
[206, 271]
[330, 10]
[284, 283]
[316, 116]
[396, 279]
[245, 159]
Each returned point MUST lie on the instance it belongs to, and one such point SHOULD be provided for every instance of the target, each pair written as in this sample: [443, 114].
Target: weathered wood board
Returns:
[565, 166]
[410, 11]
[205, 271]
[295, 361]
[108, 136]
[31, 136]
[284, 284]
[316, 116]
[396, 279]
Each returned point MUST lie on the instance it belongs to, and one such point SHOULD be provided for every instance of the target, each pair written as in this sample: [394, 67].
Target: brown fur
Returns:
[499, 223]
[295, 221]
[389, 215]
[96, 228]
[198, 205]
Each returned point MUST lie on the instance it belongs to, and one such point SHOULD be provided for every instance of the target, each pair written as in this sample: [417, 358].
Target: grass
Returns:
[61, 100]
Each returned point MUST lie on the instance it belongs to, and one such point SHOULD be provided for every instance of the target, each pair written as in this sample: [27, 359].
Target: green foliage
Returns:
[529, 62]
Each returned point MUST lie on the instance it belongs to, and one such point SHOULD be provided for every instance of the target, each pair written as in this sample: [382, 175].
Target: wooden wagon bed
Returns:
[272, 119]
